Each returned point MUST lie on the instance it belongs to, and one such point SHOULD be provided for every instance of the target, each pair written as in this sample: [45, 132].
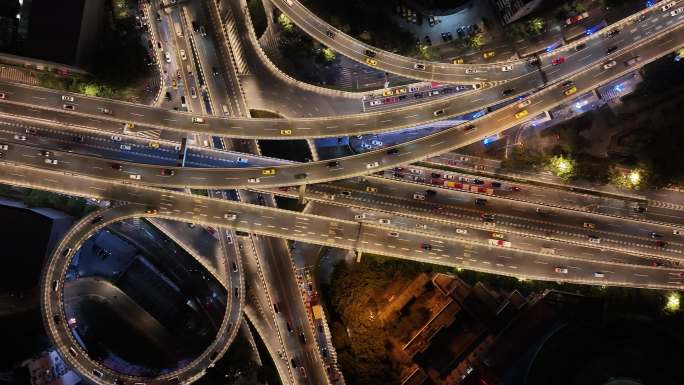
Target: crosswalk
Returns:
[18, 75]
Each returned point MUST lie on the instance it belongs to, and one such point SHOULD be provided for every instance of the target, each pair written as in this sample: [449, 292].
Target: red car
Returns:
[558, 60]
[576, 18]
[515, 188]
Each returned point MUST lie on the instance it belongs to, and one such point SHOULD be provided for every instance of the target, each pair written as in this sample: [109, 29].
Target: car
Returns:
[67, 98]
[375, 102]
[677, 11]
[116, 166]
[371, 189]
[167, 172]
[488, 54]
[469, 128]
[69, 107]
[360, 216]
[393, 151]
[285, 132]
[302, 175]
[98, 373]
[561, 270]
[388, 92]
[153, 144]
[470, 71]
[105, 111]
[612, 33]
[508, 91]
[182, 55]
[242, 160]
[589, 225]
[419, 197]
[128, 126]
[599, 274]
[568, 83]
[480, 201]
[50, 161]
[612, 49]
[524, 103]
[487, 217]
[96, 220]
[43, 153]
[253, 180]
[576, 18]
[333, 164]
[125, 147]
[438, 113]
[570, 91]
[193, 92]
[656, 235]
[558, 60]
[419, 66]
[197, 120]
[462, 231]
[521, 114]
[633, 61]
[384, 221]
[372, 165]
[667, 6]
[580, 47]
[609, 64]
[302, 371]
[370, 53]
[506, 68]
[457, 60]
[151, 210]
[3, 95]
[268, 171]
[167, 57]
[135, 176]
[4, 147]
[330, 34]
[594, 239]
[230, 216]
[393, 234]
[371, 62]
[426, 246]
[677, 232]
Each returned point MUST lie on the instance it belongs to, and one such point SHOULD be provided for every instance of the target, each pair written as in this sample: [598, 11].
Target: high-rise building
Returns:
[512, 10]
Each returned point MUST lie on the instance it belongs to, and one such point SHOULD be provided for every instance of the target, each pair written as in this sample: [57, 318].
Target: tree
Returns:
[536, 26]
[477, 40]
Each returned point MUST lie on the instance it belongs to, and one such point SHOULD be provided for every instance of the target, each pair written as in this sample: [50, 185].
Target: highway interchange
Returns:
[376, 214]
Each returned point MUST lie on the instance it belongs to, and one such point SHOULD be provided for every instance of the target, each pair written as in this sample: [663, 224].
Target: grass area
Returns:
[258, 15]
[264, 114]
[74, 206]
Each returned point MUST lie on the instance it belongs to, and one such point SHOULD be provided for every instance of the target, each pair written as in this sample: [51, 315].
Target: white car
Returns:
[415, 171]
[524, 103]
[376, 102]
[182, 53]
[384, 221]
[594, 239]
[376, 142]
[372, 165]
[135, 176]
[393, 235]
[461, 231]
[667, 6]
[116, 138]
[20, 137]
[419, 66]
[507, 68]
[230, 216]
[360, 216]
[599, 274]
[254, 180]
[677, 11]
[609, 64]
[67, 98]
[242, 160]
[167, 57]
[421, 226]
[561, 270]
[419, 197]
[50, 161]
[4, 147]
[470, 71]
[677, 232]
[125, 147]
[289, 2]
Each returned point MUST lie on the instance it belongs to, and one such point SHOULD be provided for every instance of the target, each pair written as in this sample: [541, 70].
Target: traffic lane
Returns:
[362, 123]
[563, 225]
[53, 300]
[419, 149]
[189, 208]
[472, 229]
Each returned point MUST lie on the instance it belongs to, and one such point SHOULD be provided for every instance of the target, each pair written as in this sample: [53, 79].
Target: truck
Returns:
[177, 27]
[633, 61]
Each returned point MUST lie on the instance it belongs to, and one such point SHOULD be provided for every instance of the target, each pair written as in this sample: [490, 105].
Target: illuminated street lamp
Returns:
[672, 304]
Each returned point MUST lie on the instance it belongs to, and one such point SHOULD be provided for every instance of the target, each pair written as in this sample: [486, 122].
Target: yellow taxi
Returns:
[372, 62]
[285, 132]
[401, 91]
[488, 54]
[129, 126]
[387, 93]
[371, 189]
[174, 83]
[521, 114]
[458, 60]
[268, 171]
[570, 90]
[153, 144]
[497, 236]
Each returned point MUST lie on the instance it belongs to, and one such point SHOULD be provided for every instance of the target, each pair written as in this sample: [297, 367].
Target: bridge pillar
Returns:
[358, 256]
[302, 190]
